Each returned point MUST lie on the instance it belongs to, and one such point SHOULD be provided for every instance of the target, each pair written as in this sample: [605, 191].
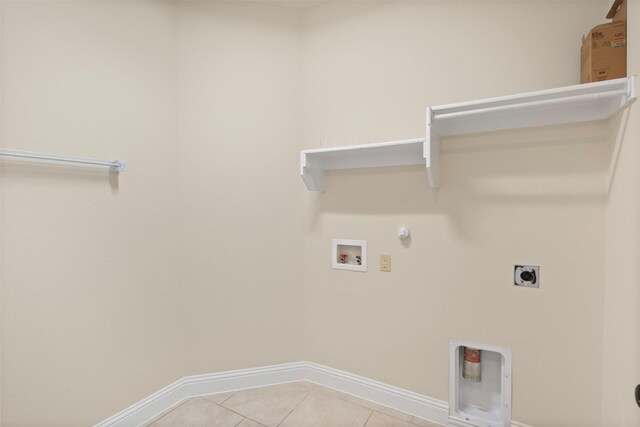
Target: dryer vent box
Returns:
[479, 393]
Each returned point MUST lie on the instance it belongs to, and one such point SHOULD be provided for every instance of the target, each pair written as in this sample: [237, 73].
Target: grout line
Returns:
[299, 403]
[220, 404]
[247, 418]
[251, 419]
[237, 413]
[368, 418]
[159, 417]
[232, 394]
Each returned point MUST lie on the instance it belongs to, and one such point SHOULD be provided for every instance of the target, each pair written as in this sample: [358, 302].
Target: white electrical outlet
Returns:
[385, 262]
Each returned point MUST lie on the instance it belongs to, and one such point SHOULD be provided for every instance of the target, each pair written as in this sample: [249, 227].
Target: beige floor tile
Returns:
[424, 423]
[268, 405]
[321, 410]
[218, 397]
[379, 408]
[325, 390]
[382, 420]
[198, 412]
[249, 423]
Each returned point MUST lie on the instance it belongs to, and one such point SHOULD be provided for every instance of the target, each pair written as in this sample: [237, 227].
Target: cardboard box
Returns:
[618, 11]
[603, 55]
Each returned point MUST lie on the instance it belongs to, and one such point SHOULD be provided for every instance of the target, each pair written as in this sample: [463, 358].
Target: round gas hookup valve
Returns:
[403, 232]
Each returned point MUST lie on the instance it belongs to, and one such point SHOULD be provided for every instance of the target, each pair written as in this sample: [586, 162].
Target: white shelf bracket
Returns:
[631, 90]
[313, 177]
[431, 151]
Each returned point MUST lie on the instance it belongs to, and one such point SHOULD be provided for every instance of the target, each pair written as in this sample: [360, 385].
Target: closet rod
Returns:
[113, 165]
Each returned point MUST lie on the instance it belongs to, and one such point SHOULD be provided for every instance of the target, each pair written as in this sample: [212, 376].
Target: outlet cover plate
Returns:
[385, 262]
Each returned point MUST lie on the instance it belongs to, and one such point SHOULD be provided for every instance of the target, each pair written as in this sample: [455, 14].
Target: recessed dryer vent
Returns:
[479, 385]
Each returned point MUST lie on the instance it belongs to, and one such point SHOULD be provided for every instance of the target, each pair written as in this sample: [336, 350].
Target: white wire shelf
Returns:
[113, 165]
[570, 104]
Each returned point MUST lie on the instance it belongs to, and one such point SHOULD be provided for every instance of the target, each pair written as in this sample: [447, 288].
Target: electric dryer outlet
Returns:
[527, 275]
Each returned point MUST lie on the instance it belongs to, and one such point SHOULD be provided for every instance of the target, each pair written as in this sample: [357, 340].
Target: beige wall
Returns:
[92, 318]
[189, 263]
[1, 216]
[531, 196]
[208, 253]
[240, 93]
[622, 292]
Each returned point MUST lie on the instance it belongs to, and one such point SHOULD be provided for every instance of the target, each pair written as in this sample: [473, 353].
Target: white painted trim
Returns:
[421, 406]
[403, 400]
[199, 385]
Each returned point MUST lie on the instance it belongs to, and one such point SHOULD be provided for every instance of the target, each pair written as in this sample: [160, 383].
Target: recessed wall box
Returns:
[485, 399]
[349, 254]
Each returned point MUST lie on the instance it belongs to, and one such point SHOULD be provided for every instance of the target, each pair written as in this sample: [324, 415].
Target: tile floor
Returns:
[299, 404]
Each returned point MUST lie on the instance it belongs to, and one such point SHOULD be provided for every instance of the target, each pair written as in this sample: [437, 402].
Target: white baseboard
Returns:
[199, 385]
[436, 411]
[421, 406]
